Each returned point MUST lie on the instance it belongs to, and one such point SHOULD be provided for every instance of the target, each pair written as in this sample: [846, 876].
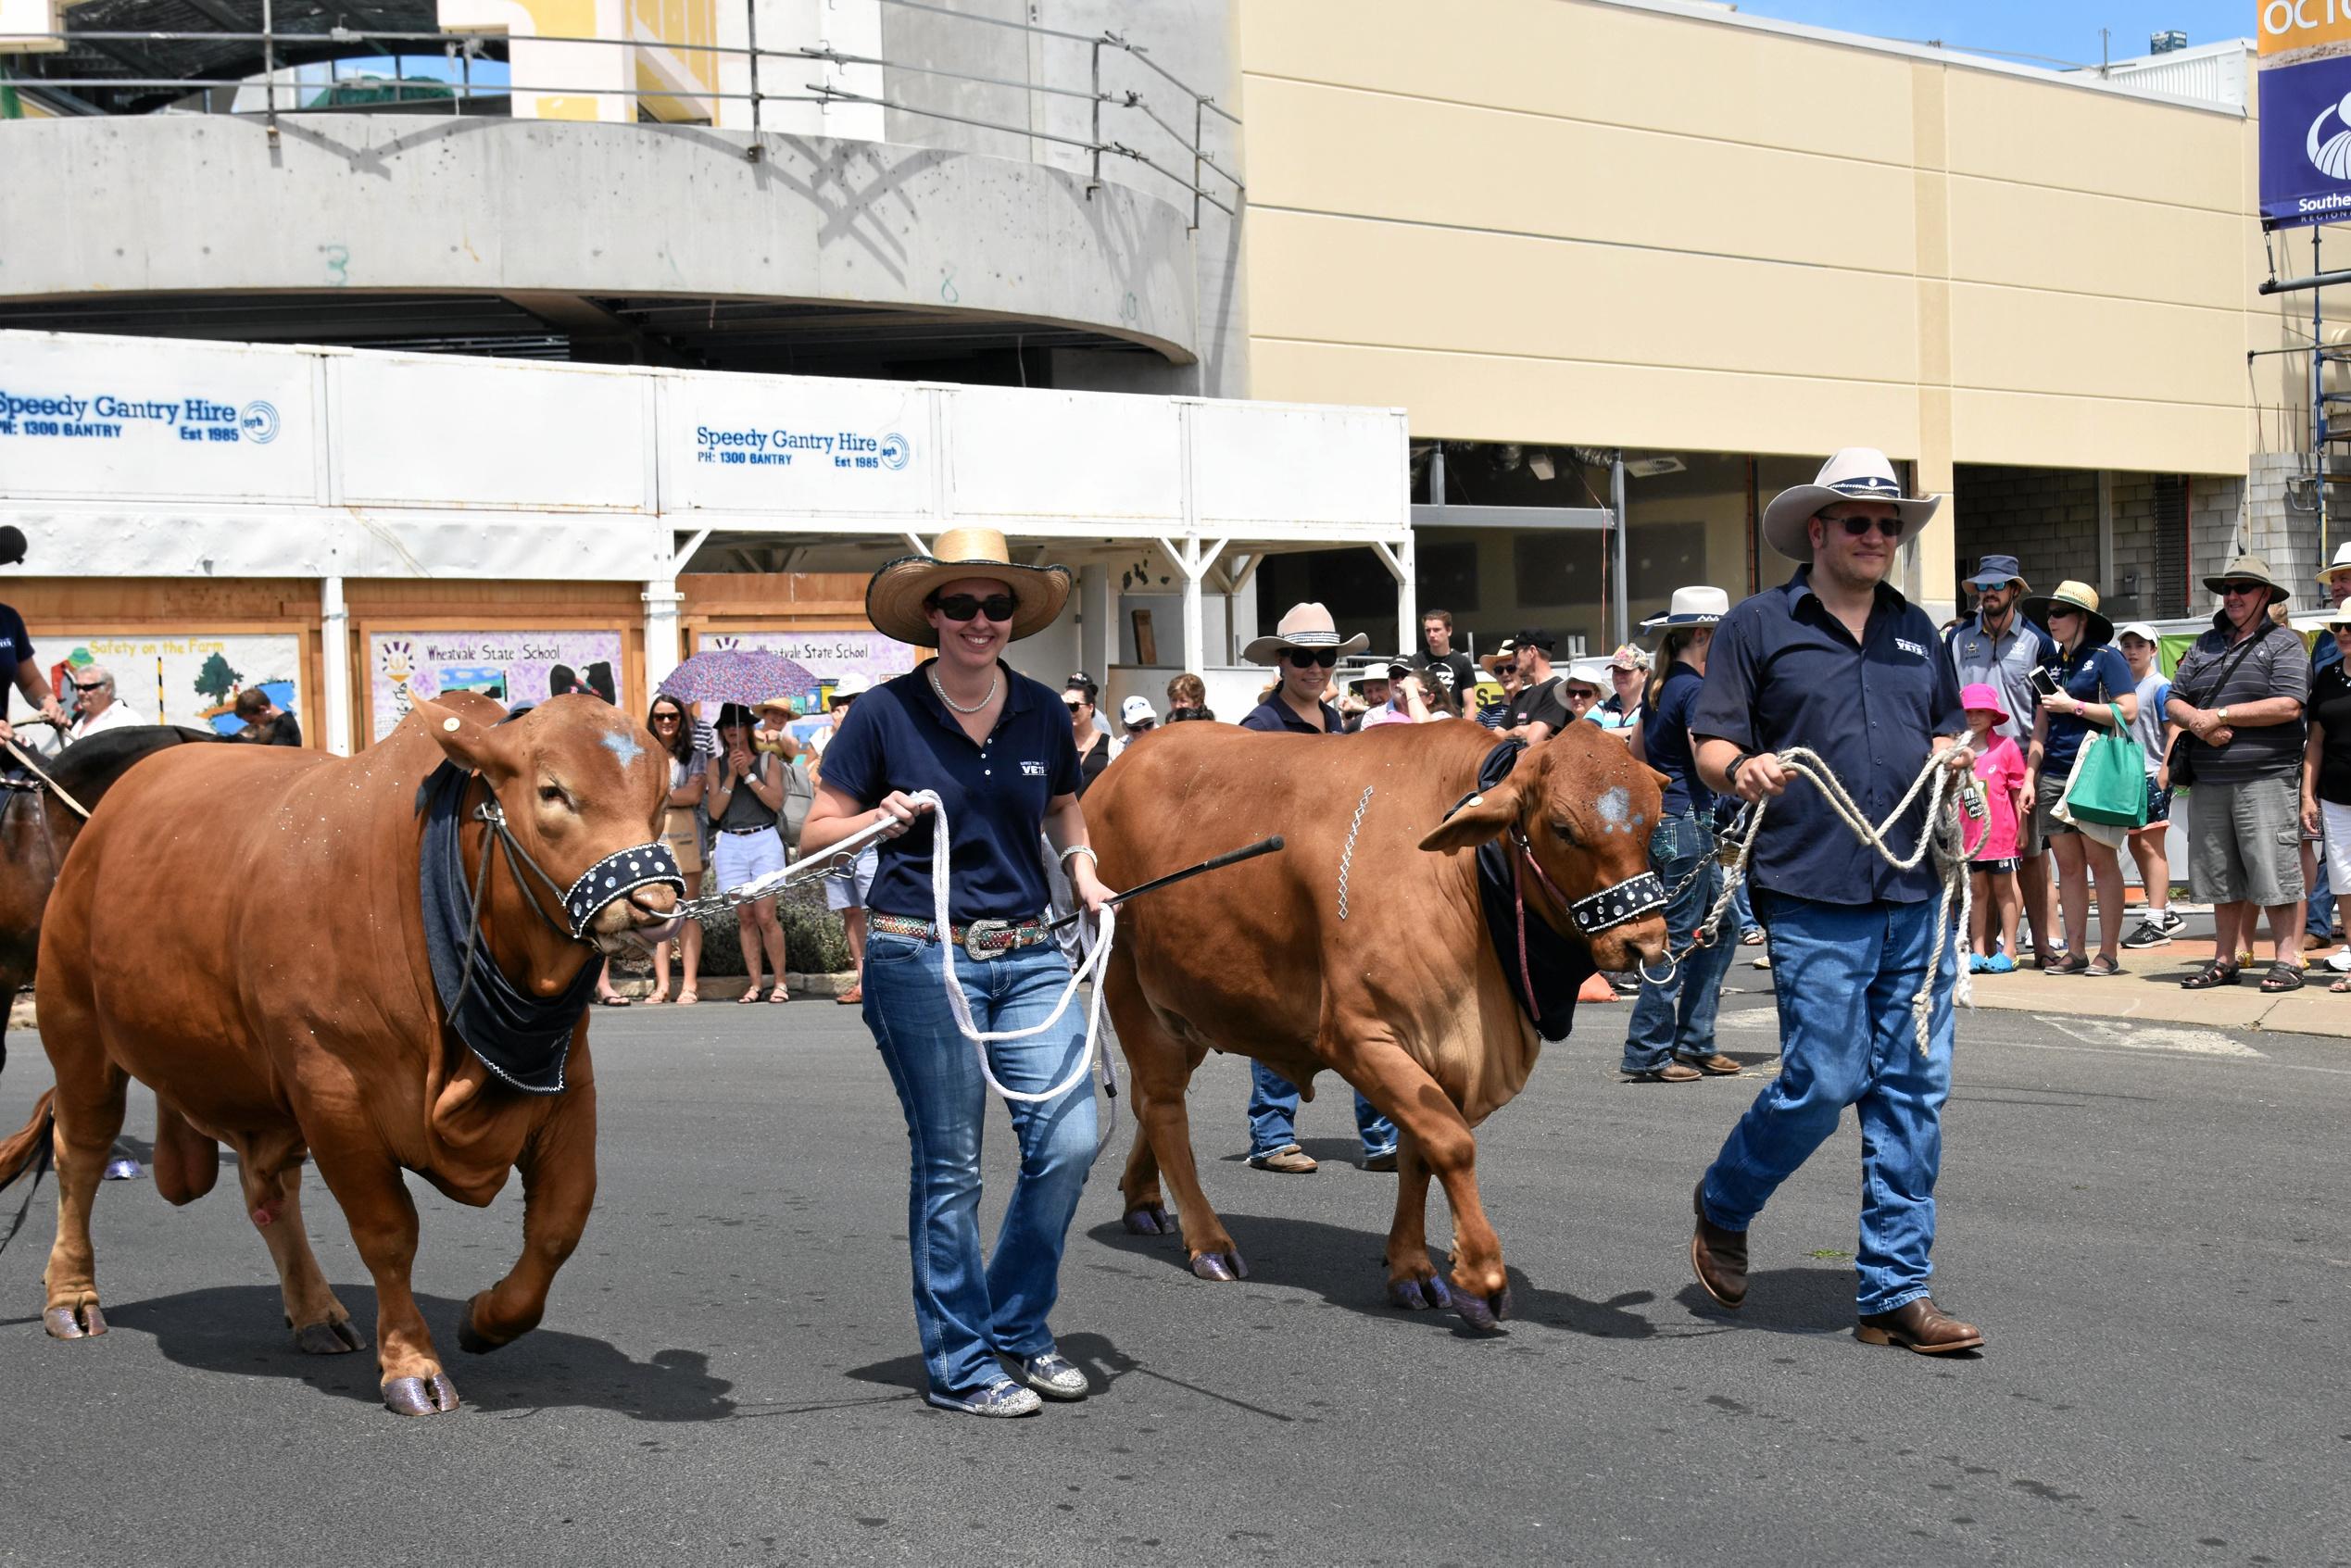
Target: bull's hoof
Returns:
[1484, 1313]
[420, 1396]
[471, 1341]
[1150, 1220]
[336, 1337]
[81, 1322]
[1222, 1267]
[1419, 1295]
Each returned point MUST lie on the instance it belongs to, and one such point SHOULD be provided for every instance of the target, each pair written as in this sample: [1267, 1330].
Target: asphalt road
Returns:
[2147, 1222]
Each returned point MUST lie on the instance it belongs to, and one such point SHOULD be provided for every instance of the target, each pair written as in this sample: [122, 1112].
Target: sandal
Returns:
[688, 996]
[614, 1000]
[779, 994]
[2102, 968]
[2211, 974]
[2073, 963]
[2282, 976]
[655, 999]
[750, 994]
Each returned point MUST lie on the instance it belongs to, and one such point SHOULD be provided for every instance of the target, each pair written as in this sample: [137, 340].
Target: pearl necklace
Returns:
[993, 682]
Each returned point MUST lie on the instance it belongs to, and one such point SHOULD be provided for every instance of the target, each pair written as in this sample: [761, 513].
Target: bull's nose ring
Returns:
[1672, 965]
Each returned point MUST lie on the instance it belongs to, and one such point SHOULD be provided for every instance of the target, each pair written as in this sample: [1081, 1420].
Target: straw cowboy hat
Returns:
[894, 600]
[1691, 606]
[2074, 596]
[2250, 569]
[1509, 649]
[2328, 573]
[1857, 473]
[1305, 626]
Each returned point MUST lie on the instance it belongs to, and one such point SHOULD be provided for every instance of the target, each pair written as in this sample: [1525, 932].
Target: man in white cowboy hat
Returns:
[1839, 662]
[1305, 648]
[2237, 696]
[2000, 646]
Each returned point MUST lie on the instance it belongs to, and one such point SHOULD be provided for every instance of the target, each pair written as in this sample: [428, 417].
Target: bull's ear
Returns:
[1664, 781]
[464, 741]
[1485, 816]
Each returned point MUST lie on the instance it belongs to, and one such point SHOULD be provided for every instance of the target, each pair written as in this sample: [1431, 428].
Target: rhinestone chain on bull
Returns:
[1946, 838]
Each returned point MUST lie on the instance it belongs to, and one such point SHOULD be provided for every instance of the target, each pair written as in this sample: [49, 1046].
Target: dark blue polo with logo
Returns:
[1783, 672]
[899, 735]
[1273, 716]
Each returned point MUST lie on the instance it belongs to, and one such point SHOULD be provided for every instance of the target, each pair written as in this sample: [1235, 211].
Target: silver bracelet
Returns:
[1085, 849]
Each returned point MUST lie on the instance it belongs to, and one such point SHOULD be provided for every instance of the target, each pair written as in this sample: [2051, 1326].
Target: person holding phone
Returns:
[742, 791]
[2081, 691]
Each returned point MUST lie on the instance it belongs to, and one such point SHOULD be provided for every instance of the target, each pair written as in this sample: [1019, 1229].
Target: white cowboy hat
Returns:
[1592, 672]
[893, 599]
[2340, 563]
[1857, 473]
[1304, 626]
[1691, 606]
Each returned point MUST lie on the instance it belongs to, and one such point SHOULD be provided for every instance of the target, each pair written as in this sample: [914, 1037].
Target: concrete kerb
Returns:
[2154, 995]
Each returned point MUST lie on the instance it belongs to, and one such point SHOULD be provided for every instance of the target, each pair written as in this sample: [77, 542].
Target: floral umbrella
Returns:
[745, 675]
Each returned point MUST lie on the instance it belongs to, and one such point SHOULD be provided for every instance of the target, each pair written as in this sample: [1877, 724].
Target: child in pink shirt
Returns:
[1991, 853]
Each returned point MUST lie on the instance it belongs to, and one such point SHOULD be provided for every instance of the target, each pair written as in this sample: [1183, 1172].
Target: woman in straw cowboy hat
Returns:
[2091, 675]
[996, 747]
[2237, 697]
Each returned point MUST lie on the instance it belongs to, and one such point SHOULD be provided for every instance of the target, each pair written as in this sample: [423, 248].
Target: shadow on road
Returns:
[239, 1330]
[1783, 1301]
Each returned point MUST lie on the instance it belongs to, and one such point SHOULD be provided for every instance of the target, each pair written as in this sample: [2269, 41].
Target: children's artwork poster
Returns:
[180, 680]
[508, 667]
[828, 656]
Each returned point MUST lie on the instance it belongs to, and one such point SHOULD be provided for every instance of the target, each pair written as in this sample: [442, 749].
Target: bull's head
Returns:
[580, 785]
[1582, 810]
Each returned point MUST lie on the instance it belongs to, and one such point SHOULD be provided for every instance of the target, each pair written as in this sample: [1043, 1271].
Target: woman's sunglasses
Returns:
[665, 718]
[1505, 670]
[963, 607]
[1309, 659]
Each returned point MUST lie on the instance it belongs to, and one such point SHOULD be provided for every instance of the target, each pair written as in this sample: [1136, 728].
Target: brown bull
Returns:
[1405, 997]
[255, 921]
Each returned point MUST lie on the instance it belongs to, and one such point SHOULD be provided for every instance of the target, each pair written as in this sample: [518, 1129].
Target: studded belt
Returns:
[981, 939]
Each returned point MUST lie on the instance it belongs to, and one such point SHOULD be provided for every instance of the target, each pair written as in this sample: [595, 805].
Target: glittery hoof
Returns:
[420, 1396]
[1483, 1313]
[1419, 1295]
[84, 1322]
[1222, 1267]
[1150, 1220]
[337, 1337]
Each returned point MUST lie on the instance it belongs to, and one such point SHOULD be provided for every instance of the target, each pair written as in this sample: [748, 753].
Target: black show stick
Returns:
[1230, 858]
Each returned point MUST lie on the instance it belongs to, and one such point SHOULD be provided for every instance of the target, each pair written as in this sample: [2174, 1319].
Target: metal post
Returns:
[1623, 594]
[1094, 181]
[1437, 475]
[1199, 113]
[270, 64]
[334, 665]
[751, 38]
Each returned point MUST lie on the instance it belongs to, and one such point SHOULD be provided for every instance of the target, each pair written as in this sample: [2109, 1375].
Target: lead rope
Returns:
[1090, 965]
[1945, 835]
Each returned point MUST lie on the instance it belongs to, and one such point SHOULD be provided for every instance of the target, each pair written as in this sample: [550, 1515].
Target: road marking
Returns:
[2112, 1032]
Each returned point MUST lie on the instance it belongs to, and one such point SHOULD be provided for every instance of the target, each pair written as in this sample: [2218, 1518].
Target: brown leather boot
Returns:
[1719, 1256]
[1715, 1064]
[1921, 1326]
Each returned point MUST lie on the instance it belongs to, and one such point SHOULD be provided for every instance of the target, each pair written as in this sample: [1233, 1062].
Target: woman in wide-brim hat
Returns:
[1305, 647]
[999, 745]
[2095, 684]
[2070, 594]
[1857, 473]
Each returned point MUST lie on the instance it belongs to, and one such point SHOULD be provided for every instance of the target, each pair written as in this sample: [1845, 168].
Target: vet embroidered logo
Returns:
[1906, 645]
[1033, 770]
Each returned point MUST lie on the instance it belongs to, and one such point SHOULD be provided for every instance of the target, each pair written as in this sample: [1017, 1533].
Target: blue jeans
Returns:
[1845, 974]
[1272, 1115]
[967, 1314]
[1743, 911]
[1677, 1018]
[2319, 920]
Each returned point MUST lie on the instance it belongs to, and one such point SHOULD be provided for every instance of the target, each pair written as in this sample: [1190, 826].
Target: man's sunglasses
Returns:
[1141, 725]
[1309, 659]
[2244, 587]
[963, 607]
[1858, 526]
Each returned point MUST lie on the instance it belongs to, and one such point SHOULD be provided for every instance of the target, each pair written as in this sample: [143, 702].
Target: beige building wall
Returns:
[1635, 224]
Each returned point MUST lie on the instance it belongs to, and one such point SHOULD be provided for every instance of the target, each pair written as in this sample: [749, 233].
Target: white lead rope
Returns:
[982, 1038]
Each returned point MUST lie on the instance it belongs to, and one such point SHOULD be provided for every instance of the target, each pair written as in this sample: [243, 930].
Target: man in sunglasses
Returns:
[2001, 647]
[1837, 663]
[1539, 710]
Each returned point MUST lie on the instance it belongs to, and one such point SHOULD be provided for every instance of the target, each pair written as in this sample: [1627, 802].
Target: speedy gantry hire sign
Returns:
[75, 415]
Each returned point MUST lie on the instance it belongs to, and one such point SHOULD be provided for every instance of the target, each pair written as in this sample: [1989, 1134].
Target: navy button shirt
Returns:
[1276, 715]
[16, 648]
[900, 737]
[1784, 671]
[1665, 736]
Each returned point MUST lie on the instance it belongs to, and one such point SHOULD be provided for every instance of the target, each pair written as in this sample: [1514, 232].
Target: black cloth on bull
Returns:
[1557, 965]
[522, 1040]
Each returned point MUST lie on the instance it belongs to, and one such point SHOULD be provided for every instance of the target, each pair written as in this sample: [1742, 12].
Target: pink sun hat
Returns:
[1982, 696]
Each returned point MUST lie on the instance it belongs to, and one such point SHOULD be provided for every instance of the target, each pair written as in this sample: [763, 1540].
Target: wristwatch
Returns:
[2221, 715]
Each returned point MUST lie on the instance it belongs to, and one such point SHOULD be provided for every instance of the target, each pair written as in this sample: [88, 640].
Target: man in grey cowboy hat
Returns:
[2237, 697]
[1853, 938]
[2000, 646]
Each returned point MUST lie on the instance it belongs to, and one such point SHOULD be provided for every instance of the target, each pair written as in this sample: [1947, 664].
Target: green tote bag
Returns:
[2109, 780]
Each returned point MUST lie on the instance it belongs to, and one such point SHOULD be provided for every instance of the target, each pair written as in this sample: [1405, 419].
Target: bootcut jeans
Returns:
[1846, 975]
[1677, 1018]
[967, 1314]
[1273, 1116]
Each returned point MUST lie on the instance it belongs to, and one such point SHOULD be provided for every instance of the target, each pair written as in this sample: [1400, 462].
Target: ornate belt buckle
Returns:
[986, 939]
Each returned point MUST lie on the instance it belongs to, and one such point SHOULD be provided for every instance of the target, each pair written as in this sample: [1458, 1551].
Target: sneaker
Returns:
[2151, 934]
[2170, 922]
[1053, 1376]
[1000, 1398]
[2339, 962]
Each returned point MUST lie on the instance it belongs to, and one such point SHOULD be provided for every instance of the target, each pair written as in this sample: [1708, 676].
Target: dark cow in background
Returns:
[242, 929]
[1406, 997]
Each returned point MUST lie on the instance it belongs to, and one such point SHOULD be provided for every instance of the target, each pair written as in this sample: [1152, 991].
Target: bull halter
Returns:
[1619, 903]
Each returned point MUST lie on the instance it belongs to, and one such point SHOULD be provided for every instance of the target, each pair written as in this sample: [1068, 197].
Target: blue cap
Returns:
[1994, 571]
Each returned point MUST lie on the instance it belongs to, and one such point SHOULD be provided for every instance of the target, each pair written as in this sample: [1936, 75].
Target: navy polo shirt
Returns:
[1665, 736]
[900, 737]
[1274, 715]
[2093, 676]
[1783, 672]
[16, 648]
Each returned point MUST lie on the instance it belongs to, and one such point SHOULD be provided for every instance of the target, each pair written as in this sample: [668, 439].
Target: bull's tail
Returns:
[20, 1151]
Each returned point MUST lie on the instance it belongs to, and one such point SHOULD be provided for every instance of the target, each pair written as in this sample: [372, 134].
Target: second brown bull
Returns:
[1406, 995]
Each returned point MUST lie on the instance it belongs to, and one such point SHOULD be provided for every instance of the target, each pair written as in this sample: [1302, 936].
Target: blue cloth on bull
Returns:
[1557, 965]
[522, 1040]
